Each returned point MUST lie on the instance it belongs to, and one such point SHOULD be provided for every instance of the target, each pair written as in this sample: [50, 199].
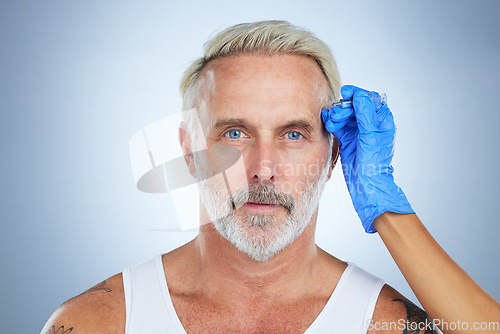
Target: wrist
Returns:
[376, 199]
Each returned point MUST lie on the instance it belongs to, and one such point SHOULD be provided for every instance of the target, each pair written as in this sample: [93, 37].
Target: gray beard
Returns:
[260, 236]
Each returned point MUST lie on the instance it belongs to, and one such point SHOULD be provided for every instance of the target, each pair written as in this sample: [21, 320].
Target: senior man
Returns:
[265, 89]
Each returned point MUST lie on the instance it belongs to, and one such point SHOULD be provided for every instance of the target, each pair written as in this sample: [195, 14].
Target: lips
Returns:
[262, 197]
[261, 207]
[262, 203]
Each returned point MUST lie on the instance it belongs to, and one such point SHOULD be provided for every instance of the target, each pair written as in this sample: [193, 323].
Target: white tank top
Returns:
[149, 308]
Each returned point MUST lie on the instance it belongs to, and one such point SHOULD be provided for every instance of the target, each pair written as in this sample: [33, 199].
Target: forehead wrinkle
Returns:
[238, 69]
[219, 79]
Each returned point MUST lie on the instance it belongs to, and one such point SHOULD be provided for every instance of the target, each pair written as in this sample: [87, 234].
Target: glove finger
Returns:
[336, 118]
[324, 115]
[385, 119]
[335, 127]
[365, 111]
[347, 91]
[348, 133]
[341, 114]
[336, 114]
[348, 143]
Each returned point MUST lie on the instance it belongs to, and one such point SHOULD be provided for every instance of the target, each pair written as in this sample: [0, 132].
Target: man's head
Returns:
[260, 89]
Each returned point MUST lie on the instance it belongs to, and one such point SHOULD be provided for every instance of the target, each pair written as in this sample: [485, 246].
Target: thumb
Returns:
[347, 90]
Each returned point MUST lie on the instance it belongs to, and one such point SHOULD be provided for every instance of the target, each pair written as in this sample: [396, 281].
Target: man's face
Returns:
[267, 107]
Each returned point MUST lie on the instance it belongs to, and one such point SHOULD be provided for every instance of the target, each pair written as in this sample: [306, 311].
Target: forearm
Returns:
[443, 288]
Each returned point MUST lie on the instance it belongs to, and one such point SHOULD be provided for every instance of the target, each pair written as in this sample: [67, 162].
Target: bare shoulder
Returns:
[396, 314]
[100, 309]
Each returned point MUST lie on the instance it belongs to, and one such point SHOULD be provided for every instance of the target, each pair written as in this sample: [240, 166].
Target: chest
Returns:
[200, 315]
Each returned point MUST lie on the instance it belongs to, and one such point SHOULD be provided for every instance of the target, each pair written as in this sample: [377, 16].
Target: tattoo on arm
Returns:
[98, 287]
[417, 321]
[60, 330]
[95, 288]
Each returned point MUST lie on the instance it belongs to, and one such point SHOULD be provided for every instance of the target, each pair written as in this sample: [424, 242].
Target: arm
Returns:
[366, 134]
[101, 309]
[445, 290]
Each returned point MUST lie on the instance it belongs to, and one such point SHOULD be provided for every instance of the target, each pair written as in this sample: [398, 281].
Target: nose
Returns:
[262, 162]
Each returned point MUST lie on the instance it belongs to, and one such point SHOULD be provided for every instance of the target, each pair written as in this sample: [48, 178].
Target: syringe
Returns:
[346, 103]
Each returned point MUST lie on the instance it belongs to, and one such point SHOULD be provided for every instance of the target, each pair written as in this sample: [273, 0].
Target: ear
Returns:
[335, 156]
[185, 141]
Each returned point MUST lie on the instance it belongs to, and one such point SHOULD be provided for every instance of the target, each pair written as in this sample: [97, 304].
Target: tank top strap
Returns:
[148, 306]
[351, 305]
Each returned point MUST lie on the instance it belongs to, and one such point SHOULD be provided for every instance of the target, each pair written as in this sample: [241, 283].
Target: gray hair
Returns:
[264, 37]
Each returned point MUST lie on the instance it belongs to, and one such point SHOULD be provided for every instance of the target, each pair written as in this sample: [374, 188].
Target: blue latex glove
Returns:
[366, 134]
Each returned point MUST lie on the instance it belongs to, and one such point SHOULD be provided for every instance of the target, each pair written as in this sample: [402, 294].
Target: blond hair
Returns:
[264, 37]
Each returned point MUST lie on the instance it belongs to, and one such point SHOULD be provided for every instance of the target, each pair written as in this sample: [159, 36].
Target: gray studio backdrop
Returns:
[78, 79]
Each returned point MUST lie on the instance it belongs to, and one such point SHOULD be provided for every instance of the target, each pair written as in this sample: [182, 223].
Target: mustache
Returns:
[262, 193]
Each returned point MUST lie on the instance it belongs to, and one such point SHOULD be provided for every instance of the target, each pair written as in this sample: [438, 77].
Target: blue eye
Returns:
[233, 134]
[294, 135]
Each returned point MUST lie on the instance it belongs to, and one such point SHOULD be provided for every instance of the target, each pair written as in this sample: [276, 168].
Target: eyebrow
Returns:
[229, 122]
[301, 124]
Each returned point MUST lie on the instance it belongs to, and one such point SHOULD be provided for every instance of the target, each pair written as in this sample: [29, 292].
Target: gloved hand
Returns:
[365, 133]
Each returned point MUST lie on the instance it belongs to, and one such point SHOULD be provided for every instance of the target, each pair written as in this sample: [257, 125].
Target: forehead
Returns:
[264, 84]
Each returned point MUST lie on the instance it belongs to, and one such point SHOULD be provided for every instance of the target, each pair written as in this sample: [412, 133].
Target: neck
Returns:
[223, 267]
